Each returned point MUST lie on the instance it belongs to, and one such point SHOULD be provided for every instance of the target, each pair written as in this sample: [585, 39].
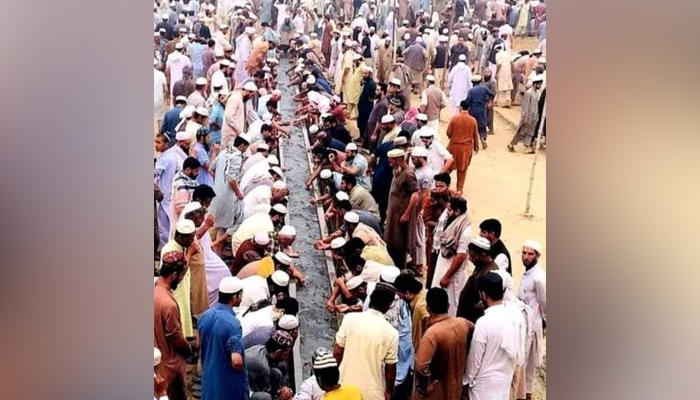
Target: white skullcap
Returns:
[476, 78]
[279, 185]
[183, 30]
[311, 80]
[367, 69]
[341, 196]
[484, 23]
[372, 271]
[280, 208]
[351, 217]
[245, 137]
[407, 36]
[395, 82]
[280, 278]
[155, 61]
[223, 26]
[390, 273]
[156, 356]
[470, 36]
[219, 53]
[166, 16]
[481, 243]
[542, 60]
[534, 245]
[326, 115]
[187, 112]
[388, 119]
[230, 285]
[202, 111]
[354, 282]
[181, 16]
[185, 227]
[266, 69]
[419, 39]
[288, 322]
[426, 133]
[189, 207]
[313, 34]
[405, 22]
[356, 57]
[183, 135]
[262, 238]
[283, 258]
[267, 117]
[326, 174]
[298, 69]
[250, 86]
[249, 30]
[313, 129]
[348, 43]
[462, 57]
[273, 61]
[192, 36]
[156, 34]
[263, 146]
[351, 147]
[419, 151]
[338, 243]
[538, 78]
[278, 171]
[179, 46]
[537, 51]
[272, 160]
[430, 78]
[201, 81]
[460, 19]
[288, 230]
[422, 117]
[396, 153]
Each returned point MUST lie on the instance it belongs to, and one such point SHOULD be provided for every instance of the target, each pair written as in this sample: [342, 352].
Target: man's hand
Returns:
[209, 221]
[319, 245]
[444, 282]
[160, 389]
[285, 393]
[405, 218]
[342, 308]
[330, 306]
[240, 196]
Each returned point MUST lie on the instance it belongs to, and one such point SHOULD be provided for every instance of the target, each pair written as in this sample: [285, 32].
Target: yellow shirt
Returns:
[266, 267]
[369, 342]
[259, 222]
[182, 293]
[346, 392]
[376, 253]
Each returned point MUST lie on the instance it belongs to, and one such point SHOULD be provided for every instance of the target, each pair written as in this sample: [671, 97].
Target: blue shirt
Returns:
[477, 97]
[406, 352]
[196, 50]
[204, 177]
[382, 173]
[220, 334]
[170, 121]
[217, 117]
[543, 30]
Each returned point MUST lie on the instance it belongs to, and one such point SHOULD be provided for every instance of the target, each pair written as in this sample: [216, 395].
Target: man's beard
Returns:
[192, 176]
[174, 285]
[397, 170]
[487, 78]
[450, 220]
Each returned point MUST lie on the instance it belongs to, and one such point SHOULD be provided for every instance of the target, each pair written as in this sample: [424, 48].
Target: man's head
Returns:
[394, 104]
[419, 156]
[531, 253]
[173, 268]
[241, 143]
[249, 89]
[282, 261]
[184, 232]
[279, 345]
[286, 236]
[356, 286]
[460, 40]
[388, 121]
[490, 229]
[277, 213]
[230, 291]
[456, 207]
[290, 324]
[351, 150]
[351, 220]
[183, 140]
[278, 284]
[437, 301]
[190, 167]
[194, 212]
[348, 183]
[397, 159]
[407, 286]
[490, 288]
[380, 91]
[366, 73]
[479, 252]
[326, 371]
[382, 297]
[203, 194]
[422, 119]
[261, 241]
[160, 143]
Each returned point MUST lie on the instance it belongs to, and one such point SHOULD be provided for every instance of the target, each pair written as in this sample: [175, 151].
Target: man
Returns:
[433, 100]
[380, 108]
[167, 166]
[384, 60]
[416, 230]
[371, 342]
[470, 305]
[172, 119]
[464, 142]
[198, 98]
[414, 56]
[161, 93]
[490, 83]
[326, 38]
[175, 64]
[412, 292]
[325, 368]
[479, 99]
[209, 57]
[458, 50]
[353, 87]
[168, 334]
[182, 187]
[453, 237]
[244, 45]
[504, 75]
[528, 117]
[226, 206]
[365, 103]
[420, 127]
[359, 197]
[259, 326]
[266, 379]
[440, 62]
[533, 292]
[183, 241]
[355, 164]
[395, 85]
[495, 346]
[235, 121]
[250, 250]
[441, 357]
[490, 229]
[224, 375]
[439, 159]
[403, 186]
[460, 82]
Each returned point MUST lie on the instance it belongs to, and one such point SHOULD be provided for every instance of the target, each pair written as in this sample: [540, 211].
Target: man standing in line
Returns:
[403, 186]
[412, 292]
[441, 357]
[460, 82]
[167, 166]
[366, 101]
[416, 229]
[490, 229]
[470, 305]
[533, 292]
[478, 100]
[528, 117]
[495, 346]
[224, 376]
[235, 113]
[433, 100]
[462, 131]
[181, 190]
[371, 342]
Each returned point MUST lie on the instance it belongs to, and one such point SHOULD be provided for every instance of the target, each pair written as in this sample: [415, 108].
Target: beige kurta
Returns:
[234, 118]
[344, 73]
[383, 63]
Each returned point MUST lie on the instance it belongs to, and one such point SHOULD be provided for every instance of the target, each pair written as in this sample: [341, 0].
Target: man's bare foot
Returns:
[511, 149]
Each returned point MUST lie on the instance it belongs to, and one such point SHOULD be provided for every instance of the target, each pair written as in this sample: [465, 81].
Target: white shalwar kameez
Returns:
[533, 292]
[460, 81]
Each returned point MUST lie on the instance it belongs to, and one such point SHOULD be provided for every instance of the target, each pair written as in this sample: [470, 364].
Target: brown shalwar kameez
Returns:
[463, 133]
[199, 294]
[395, 235]
[167, 329]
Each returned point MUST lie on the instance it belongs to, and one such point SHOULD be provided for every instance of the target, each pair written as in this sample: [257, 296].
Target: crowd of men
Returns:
[428, 302]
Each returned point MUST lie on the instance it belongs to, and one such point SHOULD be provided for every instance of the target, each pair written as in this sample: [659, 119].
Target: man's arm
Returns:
[390, 379]
[475, 355]
[338, 352]
[424, 356]
[457, 262]
[541, 293]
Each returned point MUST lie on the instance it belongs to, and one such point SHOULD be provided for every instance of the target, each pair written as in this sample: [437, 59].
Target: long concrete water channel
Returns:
[317, 326]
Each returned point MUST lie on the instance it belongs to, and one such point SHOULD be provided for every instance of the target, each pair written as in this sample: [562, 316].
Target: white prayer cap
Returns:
[419, 151]
[395, 82]
[372, 271]
[354, 282]
[192, 36]
[326, 115]
[430, 78]
[313, 129]
[279, 185]
[266, 69]
[185, 227]
[262, 238]
[219, 53]
[326, 174]
[288, 322]
[356, 57]
[183, 30]
[230, 285]
[179, 46]
[387, 119]
[201, 81]
[263, 146]
[351, 147]
[470, 36]
[367, 69]
[166, 16]
[422, 117]
[390, 273]
[311, 80]
[396, 153]
[341, 196]
[155, 61]
[283, 258]
[481, 243]
[476, 78]
[156, 34]
[267, 117]
[250, 86]
[426, 133]
[462, 57]
[348, 43]
[249, 30]
[538, 78]
[280, 208]
[187, 112]
[189, 207]
[181, 17]
[225, 62]
[202, 111]
[288, 230]
[298, 69]
[407, 36]
[273, 61]
[338, 243]
[534, 245]
[280, 278]
[400, 141]
[223, 26]
[272, 160]
[245, 137]
[182, 135]
[405, 22]
[542, 60]
[313, 34]
[484, 23]
[351, 217]
[419, 39]
[537, 51]
[161, 30]
[460, 19]
[156, 356]
[278, 171]
[201, 15]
